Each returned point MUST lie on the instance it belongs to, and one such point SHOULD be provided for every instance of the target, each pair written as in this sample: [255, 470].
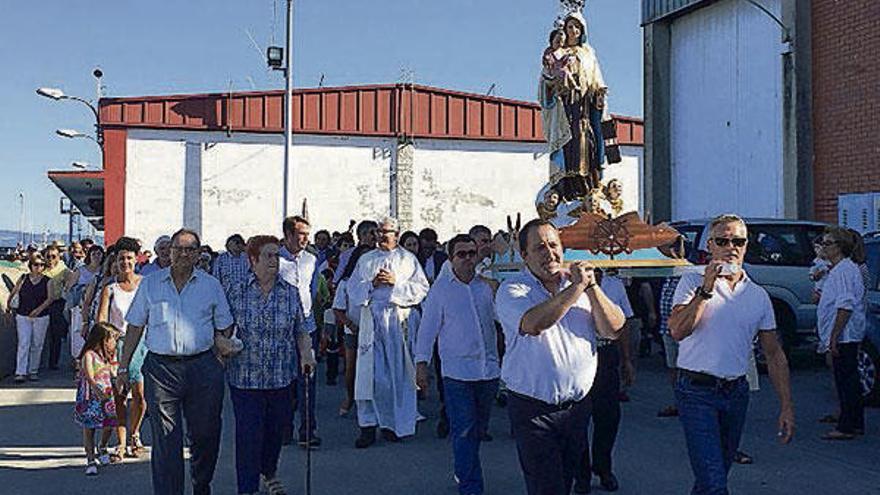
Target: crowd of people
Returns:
[554, 342]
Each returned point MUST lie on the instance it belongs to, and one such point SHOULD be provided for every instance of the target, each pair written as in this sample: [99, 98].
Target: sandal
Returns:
[838, 435]
[828, 419]
[274, 486]
[741, 457]
[115, 458]
[345, 408]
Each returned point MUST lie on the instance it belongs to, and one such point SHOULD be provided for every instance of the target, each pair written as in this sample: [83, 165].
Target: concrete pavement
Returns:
[40, 449]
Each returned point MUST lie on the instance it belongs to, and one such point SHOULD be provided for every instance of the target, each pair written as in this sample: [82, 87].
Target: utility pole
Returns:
[288, 112]
[21, 219]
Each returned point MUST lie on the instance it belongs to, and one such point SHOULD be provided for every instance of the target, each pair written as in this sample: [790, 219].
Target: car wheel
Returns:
[869, 373]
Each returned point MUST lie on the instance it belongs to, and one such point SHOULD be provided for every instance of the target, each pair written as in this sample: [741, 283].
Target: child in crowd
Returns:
[820, 268]
[95, 408]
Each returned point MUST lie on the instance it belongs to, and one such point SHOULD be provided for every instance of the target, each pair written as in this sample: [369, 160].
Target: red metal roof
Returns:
[391, 110]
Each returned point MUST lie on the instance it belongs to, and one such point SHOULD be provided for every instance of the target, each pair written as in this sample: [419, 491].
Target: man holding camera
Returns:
[715, 317]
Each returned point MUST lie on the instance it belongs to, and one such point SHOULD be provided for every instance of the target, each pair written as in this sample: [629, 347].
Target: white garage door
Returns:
[726, 111]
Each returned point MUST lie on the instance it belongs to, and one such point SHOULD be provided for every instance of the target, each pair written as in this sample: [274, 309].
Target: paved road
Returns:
[40, 449]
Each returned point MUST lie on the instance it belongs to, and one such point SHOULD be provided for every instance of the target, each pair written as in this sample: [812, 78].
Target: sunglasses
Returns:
[724, 241]
[466, 254]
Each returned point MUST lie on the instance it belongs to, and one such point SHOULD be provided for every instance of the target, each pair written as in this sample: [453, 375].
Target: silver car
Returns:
[778, 258]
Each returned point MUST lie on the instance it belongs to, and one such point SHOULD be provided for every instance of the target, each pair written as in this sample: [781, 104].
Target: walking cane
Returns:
[308, 379]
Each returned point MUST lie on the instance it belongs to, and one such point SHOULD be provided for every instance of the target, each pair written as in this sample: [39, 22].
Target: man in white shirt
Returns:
[715, 317]
[551, 317]
[297, 267]
[387, 284]
[459, 315]
[841, 320]
[615, 365]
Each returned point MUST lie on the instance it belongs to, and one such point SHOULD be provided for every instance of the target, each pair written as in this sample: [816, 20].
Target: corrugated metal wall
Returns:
[653, 10]
[726, 112]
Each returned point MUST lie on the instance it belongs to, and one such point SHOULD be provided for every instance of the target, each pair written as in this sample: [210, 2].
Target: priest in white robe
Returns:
[387, 284]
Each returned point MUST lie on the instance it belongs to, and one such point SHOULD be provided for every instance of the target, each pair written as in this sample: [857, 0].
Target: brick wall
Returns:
[846, 101]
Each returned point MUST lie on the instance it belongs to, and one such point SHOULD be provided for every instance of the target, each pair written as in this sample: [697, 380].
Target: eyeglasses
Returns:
[826, 243]
[724, 241]
[185, 249]
[466, 254]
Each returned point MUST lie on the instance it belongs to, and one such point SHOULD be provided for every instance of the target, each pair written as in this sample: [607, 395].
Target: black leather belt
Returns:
[707, 380]
[170, 357]
[561, 406]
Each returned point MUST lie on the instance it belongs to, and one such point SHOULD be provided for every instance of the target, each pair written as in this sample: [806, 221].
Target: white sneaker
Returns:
[92, 469]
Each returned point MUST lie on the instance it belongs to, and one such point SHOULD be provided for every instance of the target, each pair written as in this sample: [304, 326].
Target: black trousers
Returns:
[57, 331]
[176, 388]
[605, 414]
[550, 441]
[334, 349]
[849, 389]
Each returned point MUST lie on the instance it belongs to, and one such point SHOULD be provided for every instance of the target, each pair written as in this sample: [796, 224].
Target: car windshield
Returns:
[782, 244]
[872, 251]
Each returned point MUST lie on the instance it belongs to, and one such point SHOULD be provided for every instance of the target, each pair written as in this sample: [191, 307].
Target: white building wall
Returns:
[457, 184]
[726, 111]
[219, 185]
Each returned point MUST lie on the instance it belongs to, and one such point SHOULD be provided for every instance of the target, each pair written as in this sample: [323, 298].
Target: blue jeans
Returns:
[713, 418]
[468, 405]
[260, 416]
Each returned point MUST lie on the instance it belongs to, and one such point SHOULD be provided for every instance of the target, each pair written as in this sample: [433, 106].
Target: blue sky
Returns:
[163, 47]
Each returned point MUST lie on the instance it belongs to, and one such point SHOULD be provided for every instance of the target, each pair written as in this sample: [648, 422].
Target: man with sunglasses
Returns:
[386, 285]
[459, 314]
[715, 317]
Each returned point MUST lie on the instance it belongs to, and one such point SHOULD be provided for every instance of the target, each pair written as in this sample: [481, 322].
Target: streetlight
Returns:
[275, 56]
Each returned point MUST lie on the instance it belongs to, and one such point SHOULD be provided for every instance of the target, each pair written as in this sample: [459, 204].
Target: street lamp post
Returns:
[275, 57]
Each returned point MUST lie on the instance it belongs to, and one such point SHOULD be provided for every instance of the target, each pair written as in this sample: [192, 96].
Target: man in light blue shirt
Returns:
[297, 267]
[459, 312]
[182, 308]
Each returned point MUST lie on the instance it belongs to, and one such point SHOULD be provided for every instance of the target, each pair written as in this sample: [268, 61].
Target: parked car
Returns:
[869, 357]
[778, 258]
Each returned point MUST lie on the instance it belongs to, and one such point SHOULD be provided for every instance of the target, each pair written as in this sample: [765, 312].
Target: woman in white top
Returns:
[116, 298]
[841, 325]
[75, 288]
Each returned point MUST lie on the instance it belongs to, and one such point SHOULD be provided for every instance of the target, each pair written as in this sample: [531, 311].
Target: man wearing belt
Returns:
[715, 318]
[459, 315]
[614, 363]
[182, 308]
[551, 317]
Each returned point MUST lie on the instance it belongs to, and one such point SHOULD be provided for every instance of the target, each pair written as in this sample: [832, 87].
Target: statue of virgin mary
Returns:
[572, 95]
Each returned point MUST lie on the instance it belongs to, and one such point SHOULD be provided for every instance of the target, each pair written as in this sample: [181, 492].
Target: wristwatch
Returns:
[703, 293]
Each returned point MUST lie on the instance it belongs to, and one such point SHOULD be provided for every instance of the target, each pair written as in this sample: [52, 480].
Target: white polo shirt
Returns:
[722, 339]
[558, 365]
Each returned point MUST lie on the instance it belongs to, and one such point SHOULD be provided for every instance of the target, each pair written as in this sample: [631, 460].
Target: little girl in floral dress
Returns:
[95, 407]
